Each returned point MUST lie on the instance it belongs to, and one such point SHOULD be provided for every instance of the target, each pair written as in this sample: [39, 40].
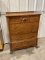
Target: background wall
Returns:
[21, 5]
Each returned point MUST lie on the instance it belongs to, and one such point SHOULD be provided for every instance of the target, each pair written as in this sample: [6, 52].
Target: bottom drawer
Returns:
[18, 37]
[24, 43]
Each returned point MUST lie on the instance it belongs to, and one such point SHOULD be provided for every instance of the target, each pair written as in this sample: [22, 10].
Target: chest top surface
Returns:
[9, 14]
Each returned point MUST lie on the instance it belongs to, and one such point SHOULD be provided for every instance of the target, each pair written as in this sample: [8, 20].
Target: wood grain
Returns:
[23, 29]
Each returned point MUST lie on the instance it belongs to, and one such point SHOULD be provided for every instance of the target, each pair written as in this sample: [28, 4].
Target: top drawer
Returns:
[18, 19]
[24, 19]
[34, 18]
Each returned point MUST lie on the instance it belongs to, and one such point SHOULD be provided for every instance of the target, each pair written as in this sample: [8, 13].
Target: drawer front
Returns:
[34, 18]
[23, 19]
[24, 43]
[23, 28]
[22, 37]
[31, 27]
[34, 27]
[18, 29]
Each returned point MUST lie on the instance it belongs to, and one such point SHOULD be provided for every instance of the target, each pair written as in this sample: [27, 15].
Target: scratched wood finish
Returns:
[23, 29]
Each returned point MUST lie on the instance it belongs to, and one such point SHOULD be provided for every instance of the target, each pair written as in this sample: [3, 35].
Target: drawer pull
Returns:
[24, 19]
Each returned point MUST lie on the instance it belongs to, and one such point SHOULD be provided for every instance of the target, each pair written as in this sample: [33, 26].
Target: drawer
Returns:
[17, 29]
[23, 28]
[31, 27]
[34, 27]
[24, 43]
[21, 37]
[34, 18]
[20, 19]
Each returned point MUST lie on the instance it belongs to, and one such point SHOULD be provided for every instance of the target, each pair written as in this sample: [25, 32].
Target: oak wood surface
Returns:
[23, 29]
[23, 13]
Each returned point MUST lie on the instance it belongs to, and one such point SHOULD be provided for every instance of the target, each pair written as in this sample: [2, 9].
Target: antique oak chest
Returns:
[23, 29]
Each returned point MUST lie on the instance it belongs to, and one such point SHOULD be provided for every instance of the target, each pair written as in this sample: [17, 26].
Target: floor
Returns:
[31, 53]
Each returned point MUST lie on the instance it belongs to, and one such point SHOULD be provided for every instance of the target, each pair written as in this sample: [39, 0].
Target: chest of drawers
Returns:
[23, 29]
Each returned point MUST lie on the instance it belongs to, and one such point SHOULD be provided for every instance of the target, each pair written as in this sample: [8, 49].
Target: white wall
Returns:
[39, 5]
[21, 5]
[41, 32]
[4, 29]
[31, 5]
[44, 5]
[4, 8]
[13, 5]
[4, 5]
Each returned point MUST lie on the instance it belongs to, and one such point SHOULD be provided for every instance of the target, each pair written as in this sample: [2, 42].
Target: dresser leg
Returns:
[37, 46]
[11, 52]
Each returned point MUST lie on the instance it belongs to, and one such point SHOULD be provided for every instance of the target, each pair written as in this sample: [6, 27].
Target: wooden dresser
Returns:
[23, 29]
